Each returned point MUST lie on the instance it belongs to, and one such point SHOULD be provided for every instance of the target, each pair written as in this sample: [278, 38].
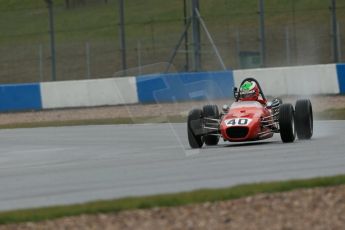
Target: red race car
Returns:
[250, 118]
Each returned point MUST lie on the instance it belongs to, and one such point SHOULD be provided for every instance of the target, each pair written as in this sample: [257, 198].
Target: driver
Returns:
[249, 91]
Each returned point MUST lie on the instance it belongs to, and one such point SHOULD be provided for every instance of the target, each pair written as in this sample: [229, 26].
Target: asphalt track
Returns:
[49, 166]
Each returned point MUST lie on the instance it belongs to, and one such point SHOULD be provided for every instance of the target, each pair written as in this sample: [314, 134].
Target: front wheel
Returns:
[211, 111]
[304, 119]
[194, 125]
[286, 123]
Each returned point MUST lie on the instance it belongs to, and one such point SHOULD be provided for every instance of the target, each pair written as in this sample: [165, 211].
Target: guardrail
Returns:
[300, 80]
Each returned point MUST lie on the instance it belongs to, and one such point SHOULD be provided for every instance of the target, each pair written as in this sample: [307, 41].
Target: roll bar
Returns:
[237, 95]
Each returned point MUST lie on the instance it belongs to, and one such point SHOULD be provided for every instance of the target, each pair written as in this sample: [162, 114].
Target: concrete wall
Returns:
[300, 80]
[65, 94]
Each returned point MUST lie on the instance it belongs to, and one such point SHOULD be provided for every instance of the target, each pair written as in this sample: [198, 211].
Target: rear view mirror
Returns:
[225, 108]
[235, 92]
[269, 105]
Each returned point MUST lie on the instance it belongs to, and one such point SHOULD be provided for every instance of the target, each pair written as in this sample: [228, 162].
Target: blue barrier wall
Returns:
[167, 87]
[185, 86]
[341, 77]
[19, 97]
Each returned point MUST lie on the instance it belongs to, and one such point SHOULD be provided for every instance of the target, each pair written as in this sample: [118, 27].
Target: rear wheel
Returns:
[211, 111]
[286, 123]
[194, 124]
[304, 119]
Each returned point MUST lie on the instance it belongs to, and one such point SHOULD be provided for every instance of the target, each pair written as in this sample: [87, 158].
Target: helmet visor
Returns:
[248, 94]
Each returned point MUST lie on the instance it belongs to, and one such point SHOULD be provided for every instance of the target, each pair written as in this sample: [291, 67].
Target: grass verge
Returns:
[166, 200]
[110, 121]
[332, 114]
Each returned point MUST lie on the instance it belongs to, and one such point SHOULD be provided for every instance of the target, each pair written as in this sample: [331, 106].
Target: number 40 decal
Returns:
[237, 121]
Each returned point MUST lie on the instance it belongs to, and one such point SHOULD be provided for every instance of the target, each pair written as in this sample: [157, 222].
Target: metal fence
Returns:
[91, 49]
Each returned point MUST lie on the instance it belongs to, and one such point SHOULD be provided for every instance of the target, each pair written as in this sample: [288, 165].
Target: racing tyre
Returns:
[304, 119]
[286, 123]
[211, 111]
[194, 124]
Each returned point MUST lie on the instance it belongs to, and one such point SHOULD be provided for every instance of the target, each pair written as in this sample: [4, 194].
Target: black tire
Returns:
[286, 123]
[304, 119]
[211, 111]
[195, 141]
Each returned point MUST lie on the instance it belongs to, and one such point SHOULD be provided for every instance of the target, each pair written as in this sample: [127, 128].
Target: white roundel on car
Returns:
[237, 122]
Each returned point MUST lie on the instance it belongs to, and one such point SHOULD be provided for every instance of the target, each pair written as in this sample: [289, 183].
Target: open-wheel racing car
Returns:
[250, 118]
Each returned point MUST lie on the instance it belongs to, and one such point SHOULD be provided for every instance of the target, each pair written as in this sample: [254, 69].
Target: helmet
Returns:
[249, 91]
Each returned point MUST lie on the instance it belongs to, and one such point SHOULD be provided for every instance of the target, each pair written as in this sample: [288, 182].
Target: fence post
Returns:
[185, 20]
[52, 37]
[139, 55]
[238, 47]
[196, 36]
[334, 31]
[294, 34]
[262, 33]
[88, 60]
[122, 36]
[339, 42]
[287, 46]
[40, 62]
[152, 32]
